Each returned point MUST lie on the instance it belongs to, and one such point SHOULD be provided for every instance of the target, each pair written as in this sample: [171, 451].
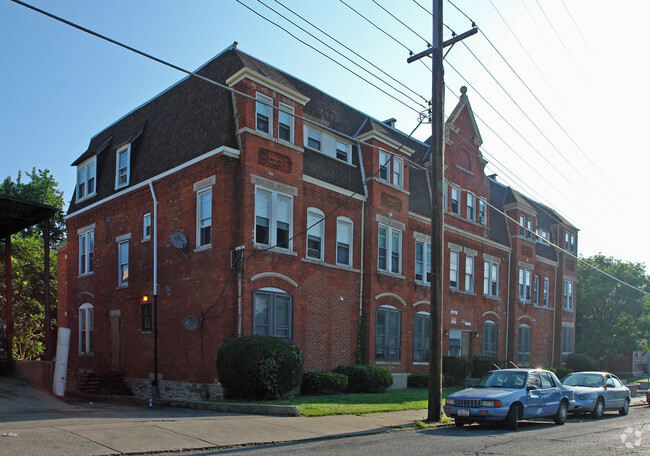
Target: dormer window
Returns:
[264, 114]
[391, 170]
[123, 165]
[86, 177]
[482, 211]
[525, 226]
[327, 144]
[543, 236]
[569, 242]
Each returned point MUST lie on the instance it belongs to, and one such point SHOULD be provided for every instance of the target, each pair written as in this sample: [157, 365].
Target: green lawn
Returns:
[359, 404]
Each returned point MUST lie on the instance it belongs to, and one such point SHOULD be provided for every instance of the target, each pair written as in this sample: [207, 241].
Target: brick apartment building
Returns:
[171, 192]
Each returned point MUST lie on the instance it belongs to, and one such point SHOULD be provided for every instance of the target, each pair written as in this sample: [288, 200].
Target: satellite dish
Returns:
[178, 240]
[191, 323]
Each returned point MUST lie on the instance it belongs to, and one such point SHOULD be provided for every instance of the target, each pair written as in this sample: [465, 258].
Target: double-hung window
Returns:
[454, 258]
[421, 330]
[314, 140]
[315, 230]
[489, 345]
[546, 291]
[285, 123]
[522, 225]
[469, 273]
[567, 342]
[455, 200]
[86, 329]
[529, 228]
[204, 217]
[123, 263]
[491, 279]
[344, 231]
[272, 313]
[146, 226]
[384, 165]
[568, 295]
[569, 242]
[398, 172]
[536, 290]
[523, 345]
[388, 334]
[86, 252]
[471, 207]
[264, 114]
[342, 151]
[123, 165]
[273, 218]
[422, 262]
[525, 276]
[86, 176]
[482, 211]
[390, 249]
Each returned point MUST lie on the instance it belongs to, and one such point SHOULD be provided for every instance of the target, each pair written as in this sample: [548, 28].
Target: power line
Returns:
[560, 40]
[578, 29]
[384, 32]
[325, 55]
[403, 23]
[351, 50]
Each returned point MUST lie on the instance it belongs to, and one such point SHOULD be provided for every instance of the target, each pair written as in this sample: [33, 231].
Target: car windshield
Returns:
[502, 379]
[589, 380]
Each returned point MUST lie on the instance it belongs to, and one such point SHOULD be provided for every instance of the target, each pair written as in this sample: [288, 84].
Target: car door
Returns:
[612, 399]
[621, 392]
[534, 397]
[551, 394]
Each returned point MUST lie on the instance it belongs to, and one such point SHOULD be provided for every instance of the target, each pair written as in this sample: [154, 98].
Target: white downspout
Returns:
[508, 307]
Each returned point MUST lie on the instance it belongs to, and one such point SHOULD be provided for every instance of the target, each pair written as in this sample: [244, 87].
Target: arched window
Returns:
[523, 345]
[388, 334]
[86, 329]
[421, 326]
[489, 346]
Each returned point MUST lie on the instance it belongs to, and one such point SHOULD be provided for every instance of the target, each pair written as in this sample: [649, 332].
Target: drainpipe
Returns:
[554, 322]
[508, 307]
[363, 219]
[154, 383]
[239, 278]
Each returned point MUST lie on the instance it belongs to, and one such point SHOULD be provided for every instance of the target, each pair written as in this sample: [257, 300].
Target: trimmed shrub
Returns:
[579, 362]
[364, 378]
[482, 364]
[457, 367]
[448, 380]
[319, 382]
[259, 367]
[561, 372]
[418, 380]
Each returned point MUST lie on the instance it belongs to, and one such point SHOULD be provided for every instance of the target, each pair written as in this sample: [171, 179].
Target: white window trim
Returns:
[320, 229]
[146, 217]
[398, 171]
[569, 297]
[273, 220]
[121, 262]
[490, 265]
[469, 259]
[470, 211]
[527, 285]
[87, 262]
[389, 249]
[457, 270]
[426, 263]
[546, 292]
[451, 199]
[118, 152]
[482, 202]
[290, 112]
[259, 97]
[86, 307]
[350, 240]
[424, 315]
[84, 166]
[200, 193]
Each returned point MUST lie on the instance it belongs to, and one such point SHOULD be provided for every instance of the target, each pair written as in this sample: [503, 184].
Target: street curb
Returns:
[232, 407]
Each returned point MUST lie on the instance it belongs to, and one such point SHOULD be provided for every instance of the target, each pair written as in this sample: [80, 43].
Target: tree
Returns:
[612, 319]
[28, 262]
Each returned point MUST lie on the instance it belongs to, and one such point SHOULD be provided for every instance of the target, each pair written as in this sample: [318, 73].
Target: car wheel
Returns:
[513, 417]
[599, 409]
[626, 408]
[561, 414]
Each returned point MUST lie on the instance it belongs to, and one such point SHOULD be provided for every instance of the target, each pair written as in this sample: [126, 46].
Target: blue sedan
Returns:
[510, 395]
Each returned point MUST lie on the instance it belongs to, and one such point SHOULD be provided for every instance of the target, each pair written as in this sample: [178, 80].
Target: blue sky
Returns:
[59, 86]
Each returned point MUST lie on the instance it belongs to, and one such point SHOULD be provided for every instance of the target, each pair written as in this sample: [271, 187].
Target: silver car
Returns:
[596, 392]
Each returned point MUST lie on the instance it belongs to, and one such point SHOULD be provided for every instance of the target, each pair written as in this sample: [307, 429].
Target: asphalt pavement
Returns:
[33, 422]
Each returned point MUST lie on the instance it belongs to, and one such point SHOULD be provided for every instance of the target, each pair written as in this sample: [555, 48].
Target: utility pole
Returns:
[436, 177]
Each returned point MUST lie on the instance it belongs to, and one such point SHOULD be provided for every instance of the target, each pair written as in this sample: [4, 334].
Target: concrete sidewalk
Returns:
[35, 423]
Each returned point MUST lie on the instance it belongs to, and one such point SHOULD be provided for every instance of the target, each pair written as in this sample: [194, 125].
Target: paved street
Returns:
[32, 422]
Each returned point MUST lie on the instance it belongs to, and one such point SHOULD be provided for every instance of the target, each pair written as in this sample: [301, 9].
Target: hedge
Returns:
[319, 382]
[579, 362]
[364, 378]
[457, 367]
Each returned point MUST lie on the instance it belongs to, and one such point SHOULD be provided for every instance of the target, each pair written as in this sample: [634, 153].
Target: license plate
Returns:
[463, 412]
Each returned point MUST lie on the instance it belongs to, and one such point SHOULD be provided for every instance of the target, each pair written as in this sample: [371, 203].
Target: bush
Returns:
[560, 372]
[364, 378]
[319, 382]
[259, 367]
[457, 367]
[482, 364]
[418, 380]
[448, 380]
[578, 362]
